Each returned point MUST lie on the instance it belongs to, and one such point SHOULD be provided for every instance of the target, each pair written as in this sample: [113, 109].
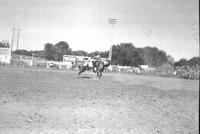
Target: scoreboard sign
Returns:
[5, 55]
[73, 58]
[69, 58]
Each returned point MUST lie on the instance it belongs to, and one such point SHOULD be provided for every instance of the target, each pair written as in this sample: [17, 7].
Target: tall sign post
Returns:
[15, 39]
[110, 54]
[112, 22]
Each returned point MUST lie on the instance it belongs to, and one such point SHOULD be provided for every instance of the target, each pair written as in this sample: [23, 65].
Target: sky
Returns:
[170, 25]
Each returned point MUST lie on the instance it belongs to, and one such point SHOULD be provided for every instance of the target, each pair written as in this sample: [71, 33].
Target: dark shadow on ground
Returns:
[84, 77]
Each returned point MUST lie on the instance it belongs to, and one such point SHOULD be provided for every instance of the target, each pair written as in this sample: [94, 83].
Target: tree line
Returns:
[56, 51]
[125, 54]
[191, 62]
[4, 44]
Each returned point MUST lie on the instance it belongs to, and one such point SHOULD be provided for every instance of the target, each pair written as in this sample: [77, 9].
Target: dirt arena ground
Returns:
[42, 101]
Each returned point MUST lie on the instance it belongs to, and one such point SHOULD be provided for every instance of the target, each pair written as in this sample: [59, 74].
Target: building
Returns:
[72, 61]
[5, 55]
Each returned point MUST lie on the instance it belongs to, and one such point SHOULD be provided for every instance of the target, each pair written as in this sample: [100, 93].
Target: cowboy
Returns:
[97, 57]
[87, 62]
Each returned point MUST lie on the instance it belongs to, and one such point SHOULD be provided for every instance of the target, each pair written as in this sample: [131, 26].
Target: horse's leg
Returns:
[81, 70]
[94, 69]
[97, 74]
[100, 74]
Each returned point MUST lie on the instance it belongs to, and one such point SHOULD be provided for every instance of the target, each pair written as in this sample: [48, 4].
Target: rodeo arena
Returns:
[38, 96]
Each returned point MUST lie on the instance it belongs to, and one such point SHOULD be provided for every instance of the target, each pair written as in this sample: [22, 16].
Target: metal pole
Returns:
[18, 38]
[112, 22]
[110, 54]
[12, 39]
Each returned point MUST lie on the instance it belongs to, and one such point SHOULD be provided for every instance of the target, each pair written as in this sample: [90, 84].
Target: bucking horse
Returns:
[98, 66]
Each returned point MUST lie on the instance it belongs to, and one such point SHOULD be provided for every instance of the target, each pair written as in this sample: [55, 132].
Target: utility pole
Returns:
[12, 39]
[18, 38]
[110, 54]
[112, 22]
[15, 39]
[195, 34]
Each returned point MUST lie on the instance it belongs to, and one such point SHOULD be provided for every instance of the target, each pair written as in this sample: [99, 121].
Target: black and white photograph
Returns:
[99, 66]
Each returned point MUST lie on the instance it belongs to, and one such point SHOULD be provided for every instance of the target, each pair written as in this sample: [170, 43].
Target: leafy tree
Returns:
[5, 44]
[139, 59]
[181, 62]
[194, 61]
[49, 50]
[40, 53]
[128, 54]
[124, 54]
[191, 62]
[92, 54]
[154, 57]
[102, 54]
[61, 48]
[23, 52]
[79, 53]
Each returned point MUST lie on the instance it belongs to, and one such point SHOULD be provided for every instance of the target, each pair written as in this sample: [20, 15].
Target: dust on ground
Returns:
[61, 102]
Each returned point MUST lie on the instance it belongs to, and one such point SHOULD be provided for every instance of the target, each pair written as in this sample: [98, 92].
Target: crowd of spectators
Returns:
[185, 72]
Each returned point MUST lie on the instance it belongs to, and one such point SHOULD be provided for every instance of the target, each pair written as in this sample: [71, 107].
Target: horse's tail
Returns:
[106, 62]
